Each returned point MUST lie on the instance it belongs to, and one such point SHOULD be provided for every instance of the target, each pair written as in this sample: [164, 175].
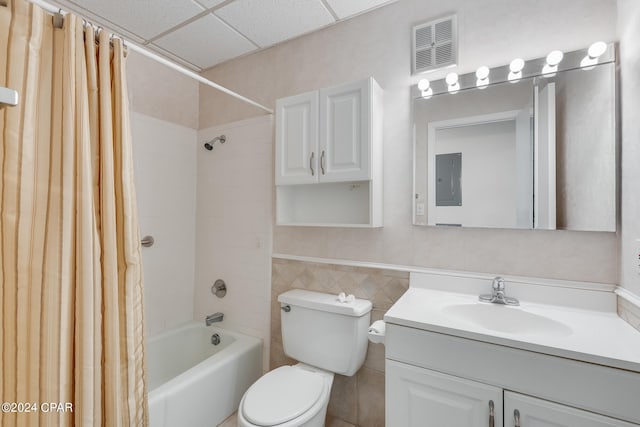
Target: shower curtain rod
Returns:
[179, 68]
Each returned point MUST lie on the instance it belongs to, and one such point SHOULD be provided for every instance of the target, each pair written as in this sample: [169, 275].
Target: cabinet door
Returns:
[345, 132]
[297, 139]
[534, 412]
[417, 397]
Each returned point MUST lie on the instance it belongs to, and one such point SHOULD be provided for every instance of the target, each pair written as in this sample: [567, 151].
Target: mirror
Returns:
[538, 153]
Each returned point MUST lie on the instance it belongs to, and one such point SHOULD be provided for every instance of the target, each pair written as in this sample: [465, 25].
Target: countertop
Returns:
[591, 336]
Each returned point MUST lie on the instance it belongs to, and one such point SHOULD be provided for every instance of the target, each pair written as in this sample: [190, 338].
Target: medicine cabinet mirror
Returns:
[535, 153]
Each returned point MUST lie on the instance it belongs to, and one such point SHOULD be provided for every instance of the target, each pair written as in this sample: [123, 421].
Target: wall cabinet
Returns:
[435, 380]
[328, 166]
[297, 139]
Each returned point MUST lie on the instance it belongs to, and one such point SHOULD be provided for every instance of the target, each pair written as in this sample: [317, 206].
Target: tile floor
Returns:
[331, 422]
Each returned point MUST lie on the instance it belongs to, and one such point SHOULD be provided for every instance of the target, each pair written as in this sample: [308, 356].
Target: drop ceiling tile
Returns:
[268, 22]
[210, 3]
[205, 42]
[97, 20]
[146, 18]
[345, 9]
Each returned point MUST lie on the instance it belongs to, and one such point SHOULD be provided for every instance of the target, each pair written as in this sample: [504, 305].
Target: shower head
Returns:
[209, 145]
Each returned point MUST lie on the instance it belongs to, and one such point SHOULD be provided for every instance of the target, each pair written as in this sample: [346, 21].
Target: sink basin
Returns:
[500, 318]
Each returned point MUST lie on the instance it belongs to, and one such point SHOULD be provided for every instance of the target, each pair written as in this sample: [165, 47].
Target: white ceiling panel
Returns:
[268, 22]
[205, 42]
[210, 3]
[232, 28]
[344, 9]
[146, 18]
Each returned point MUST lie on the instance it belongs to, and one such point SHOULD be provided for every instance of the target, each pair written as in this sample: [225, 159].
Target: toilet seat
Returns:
[282, 395]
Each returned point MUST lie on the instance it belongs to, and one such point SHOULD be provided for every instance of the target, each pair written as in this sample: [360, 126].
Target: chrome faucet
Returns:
[213, 318]
[498, 296]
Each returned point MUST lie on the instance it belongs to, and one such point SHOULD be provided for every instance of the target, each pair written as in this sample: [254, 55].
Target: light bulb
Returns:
[588, 63]
[597, 49]
[516, 65]
[482, 83]
[514, 77]
[549, 70]
[482, 72]
[451, 79]
[423, 84]
[554, 58]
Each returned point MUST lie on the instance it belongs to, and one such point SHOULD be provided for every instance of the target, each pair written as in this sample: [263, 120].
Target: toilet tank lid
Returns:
[325, 302]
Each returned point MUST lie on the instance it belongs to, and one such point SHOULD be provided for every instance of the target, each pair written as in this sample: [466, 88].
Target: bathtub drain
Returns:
[215, 339]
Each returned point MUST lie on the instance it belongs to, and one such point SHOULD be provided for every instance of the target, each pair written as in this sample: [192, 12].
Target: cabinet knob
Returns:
[311, 163]
[322, 162]
[516, 418]
[492, 414]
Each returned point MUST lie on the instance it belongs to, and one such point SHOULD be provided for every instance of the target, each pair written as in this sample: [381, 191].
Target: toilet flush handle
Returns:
[286, 308]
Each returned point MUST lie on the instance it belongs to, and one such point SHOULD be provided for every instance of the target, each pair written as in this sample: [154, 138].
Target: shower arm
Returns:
[209, 145]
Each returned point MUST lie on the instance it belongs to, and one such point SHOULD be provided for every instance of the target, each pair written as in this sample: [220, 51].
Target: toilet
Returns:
[327, 337]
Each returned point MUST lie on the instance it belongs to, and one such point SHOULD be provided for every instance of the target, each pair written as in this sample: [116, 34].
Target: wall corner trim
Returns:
[628, 296]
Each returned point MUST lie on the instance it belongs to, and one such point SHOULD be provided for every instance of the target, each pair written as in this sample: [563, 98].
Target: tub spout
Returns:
[213, 318]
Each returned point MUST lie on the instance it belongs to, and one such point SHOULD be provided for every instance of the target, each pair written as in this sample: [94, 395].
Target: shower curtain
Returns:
[71, 330]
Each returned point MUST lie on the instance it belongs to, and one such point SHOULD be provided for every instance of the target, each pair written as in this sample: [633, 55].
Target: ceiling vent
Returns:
[435, 44]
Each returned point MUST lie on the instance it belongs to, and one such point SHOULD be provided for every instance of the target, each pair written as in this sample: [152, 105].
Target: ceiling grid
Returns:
[203, 33]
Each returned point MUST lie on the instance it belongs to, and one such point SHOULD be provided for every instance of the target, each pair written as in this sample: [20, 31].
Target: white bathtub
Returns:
[194, 383]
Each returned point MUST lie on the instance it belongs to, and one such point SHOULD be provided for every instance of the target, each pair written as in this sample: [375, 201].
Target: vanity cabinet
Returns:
[521, 411]
[328, 165]
[435, 379]
[418, 397]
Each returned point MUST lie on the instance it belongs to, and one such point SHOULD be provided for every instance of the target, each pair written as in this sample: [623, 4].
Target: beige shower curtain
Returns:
[71, 328]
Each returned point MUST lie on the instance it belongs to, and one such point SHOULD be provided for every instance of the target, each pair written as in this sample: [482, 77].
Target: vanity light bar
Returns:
[518, 69]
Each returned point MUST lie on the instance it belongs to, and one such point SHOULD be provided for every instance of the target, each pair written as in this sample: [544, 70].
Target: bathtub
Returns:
[194, 383]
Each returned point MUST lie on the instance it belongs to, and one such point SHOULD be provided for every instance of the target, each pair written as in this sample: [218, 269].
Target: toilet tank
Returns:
[321, 331]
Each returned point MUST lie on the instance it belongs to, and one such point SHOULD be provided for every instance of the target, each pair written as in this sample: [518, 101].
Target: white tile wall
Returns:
[234, 226]
[165, 170]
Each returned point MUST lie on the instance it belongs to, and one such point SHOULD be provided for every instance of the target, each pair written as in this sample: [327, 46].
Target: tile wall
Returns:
[164, 156]
[233, 226]
[357, 400]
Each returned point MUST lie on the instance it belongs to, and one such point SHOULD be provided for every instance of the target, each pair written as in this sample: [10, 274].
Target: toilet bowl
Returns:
[328, 336]
[289, 396]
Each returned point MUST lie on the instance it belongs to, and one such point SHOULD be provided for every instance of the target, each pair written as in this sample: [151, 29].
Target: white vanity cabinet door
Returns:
[297, 139]
[418, 397]
[541, 413]
[345, 132]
